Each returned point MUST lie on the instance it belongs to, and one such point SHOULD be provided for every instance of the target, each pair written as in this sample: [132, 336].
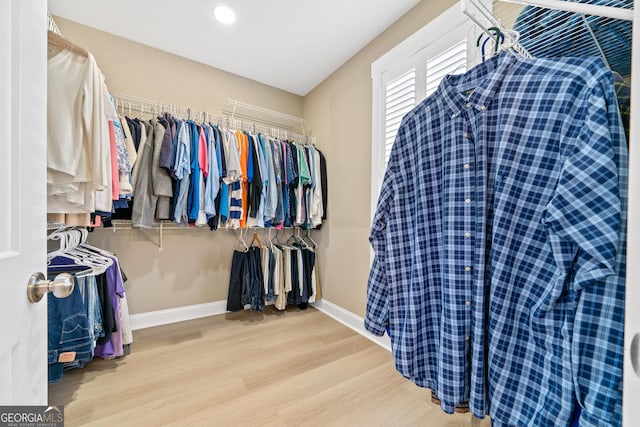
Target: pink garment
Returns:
[203, 155]
[115, 175]
[97, 222]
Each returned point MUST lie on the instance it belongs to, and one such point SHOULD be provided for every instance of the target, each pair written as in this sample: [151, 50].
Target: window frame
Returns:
[412, 53]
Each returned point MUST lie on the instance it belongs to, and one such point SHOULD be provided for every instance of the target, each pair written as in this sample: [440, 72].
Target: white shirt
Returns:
[78, 144]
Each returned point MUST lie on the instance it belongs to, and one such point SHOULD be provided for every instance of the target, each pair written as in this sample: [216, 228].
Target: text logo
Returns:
[31, 416]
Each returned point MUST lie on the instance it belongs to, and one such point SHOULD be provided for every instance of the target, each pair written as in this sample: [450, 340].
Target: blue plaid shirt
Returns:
[499, 242]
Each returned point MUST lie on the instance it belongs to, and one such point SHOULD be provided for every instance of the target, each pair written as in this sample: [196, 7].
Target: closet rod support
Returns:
[585, 8]
[160, 235]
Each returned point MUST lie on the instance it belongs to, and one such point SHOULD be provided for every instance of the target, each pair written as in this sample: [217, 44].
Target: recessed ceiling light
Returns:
[224, 14]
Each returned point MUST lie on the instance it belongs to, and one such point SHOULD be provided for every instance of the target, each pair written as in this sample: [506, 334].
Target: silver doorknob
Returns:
[61, 286]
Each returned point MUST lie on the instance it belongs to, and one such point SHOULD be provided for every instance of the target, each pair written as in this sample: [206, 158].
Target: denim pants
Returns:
[68, 334]
[89, 290]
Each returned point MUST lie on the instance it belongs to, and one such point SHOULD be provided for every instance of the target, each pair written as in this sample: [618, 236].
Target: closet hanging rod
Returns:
[584, 8]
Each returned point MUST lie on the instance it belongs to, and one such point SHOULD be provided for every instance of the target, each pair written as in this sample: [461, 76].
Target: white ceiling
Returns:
[290, 44]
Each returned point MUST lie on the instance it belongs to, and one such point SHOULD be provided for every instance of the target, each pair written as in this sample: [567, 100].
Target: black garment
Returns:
[134, 128]
[140, 125]
[325, 190]
[255, 185]
[309, 260]
[256, 278]
[294, 297]
[292, 156]
[323, 181]
[302, 267]
[271, 297]
[123, 213]
[234, 300]
[108, 316]
[246, 285]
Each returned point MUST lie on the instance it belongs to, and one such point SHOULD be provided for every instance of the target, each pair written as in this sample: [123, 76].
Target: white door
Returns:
[23, 146]
[632, 309]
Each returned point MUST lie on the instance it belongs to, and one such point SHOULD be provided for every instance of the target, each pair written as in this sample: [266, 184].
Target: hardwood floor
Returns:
[298, 368]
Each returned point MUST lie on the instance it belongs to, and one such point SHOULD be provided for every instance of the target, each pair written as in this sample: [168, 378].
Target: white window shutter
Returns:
[399, 100]
[451, 61]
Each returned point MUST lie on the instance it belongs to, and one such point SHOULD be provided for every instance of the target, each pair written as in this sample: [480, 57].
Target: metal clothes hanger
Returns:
[308, 236]
[275, 240]
[241, 240]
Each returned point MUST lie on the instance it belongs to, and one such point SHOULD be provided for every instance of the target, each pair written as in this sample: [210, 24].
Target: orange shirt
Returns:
[243, 146]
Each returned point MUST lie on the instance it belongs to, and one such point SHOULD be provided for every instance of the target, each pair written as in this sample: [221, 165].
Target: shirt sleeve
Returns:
[588, 210]
[377, 312]
[585, 208]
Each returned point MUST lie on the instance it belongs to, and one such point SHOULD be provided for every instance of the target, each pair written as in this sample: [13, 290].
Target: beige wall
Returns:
[339, 113]
[194, 266]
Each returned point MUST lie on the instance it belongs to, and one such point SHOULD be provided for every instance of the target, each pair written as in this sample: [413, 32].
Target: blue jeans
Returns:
[89, 291]
[68, 333]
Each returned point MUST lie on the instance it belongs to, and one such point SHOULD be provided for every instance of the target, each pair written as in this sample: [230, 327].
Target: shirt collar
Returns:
[482, 81]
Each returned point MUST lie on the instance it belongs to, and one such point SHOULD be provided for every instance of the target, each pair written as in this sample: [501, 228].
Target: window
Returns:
[400, 98]
[451, 61]
[407, 74]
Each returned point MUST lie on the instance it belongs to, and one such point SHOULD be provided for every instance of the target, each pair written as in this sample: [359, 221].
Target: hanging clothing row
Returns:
[94, 320]
[500, 243]
[201, 174]
[273, 273]
[167, 168]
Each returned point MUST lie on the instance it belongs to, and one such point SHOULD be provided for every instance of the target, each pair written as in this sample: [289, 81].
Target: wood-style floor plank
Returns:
[298, 368]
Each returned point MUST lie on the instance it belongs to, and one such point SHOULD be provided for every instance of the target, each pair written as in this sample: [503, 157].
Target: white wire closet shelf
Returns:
[51, 24]
[239, 109]
[128, 104]
[265, 111]
[555, 28]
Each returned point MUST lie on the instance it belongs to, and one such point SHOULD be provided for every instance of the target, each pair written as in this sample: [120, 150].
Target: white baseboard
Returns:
[351, 320]
[178, 314]
[181, 314]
